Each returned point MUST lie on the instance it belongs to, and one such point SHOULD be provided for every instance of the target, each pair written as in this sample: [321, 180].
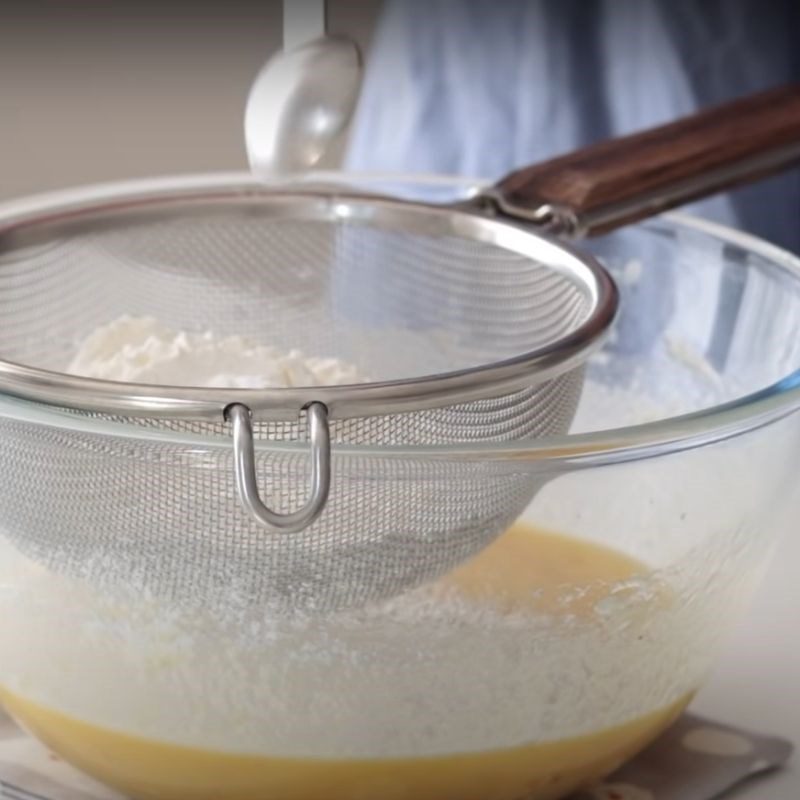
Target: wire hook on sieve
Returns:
[245, 469]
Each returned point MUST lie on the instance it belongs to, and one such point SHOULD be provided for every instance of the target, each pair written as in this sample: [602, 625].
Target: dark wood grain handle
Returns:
[623, 180]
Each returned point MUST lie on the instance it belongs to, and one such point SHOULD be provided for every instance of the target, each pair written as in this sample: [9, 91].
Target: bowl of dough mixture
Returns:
[535, 667]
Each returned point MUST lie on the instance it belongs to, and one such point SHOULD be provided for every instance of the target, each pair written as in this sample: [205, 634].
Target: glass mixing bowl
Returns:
[541, 666]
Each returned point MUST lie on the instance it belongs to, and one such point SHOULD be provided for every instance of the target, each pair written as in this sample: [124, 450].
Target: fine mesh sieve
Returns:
[500, 317]
[471, 325]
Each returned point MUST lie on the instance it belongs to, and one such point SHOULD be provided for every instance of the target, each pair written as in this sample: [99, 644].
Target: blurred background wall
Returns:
[110, 89]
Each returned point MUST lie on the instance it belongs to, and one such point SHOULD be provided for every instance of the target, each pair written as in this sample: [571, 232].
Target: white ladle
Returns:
[302, 100]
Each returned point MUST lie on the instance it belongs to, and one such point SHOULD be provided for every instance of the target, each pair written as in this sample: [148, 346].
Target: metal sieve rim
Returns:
[33, 220]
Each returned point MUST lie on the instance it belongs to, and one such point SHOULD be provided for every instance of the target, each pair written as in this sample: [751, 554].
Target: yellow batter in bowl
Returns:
[524, 571]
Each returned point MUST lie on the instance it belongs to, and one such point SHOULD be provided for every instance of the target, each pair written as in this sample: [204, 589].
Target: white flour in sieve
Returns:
[142, 350]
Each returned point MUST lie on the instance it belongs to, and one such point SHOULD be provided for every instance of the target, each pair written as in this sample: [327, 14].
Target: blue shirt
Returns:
[480, 87]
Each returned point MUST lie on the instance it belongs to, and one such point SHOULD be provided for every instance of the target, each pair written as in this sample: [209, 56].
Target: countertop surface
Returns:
[756, 682]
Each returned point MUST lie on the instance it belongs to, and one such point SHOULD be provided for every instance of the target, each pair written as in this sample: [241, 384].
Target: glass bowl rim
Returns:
[643, 440]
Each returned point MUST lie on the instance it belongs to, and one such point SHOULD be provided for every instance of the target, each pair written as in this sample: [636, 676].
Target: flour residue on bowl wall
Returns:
[544, 657]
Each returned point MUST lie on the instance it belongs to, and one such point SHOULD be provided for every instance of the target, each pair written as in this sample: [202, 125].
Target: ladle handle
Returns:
[619, 181]
[303, 21]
